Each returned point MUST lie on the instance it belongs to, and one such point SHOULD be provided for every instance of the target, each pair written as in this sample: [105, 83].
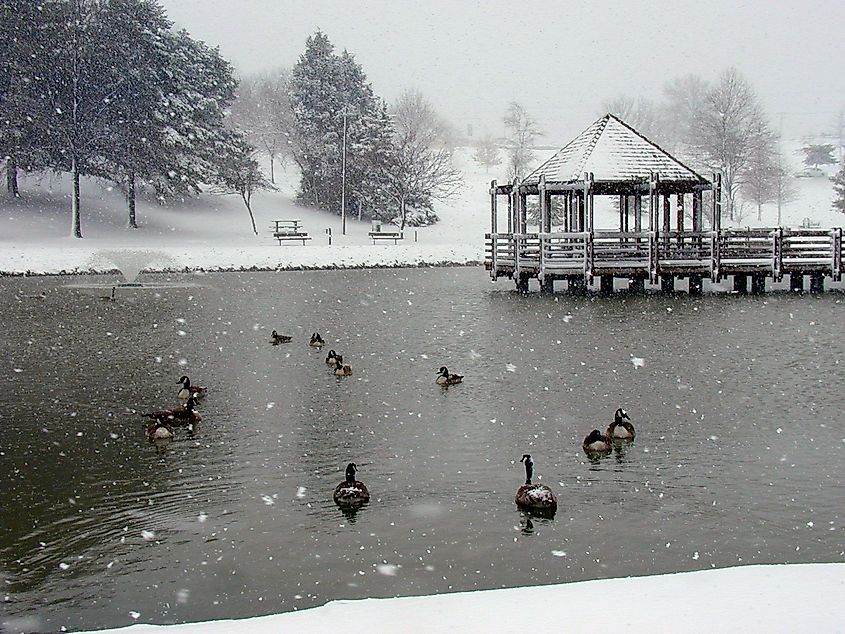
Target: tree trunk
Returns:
[245, 198]
[759, 212]
[130, 198]
[272, 168]
[76, 225]
[12, 177]
[402, 215]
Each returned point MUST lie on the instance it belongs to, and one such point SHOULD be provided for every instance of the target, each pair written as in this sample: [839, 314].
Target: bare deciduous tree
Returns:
[727, 129]
[487, 152]
[522, 131]
[420, 169]
[262, 110]
[640, 113]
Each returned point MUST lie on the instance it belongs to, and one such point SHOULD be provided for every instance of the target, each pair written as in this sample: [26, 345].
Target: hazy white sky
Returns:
[561, 60]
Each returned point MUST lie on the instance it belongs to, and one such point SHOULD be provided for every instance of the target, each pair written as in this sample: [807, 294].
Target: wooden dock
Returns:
[753, 254]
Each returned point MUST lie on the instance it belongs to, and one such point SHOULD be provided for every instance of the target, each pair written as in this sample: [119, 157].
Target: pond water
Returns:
[738, 457]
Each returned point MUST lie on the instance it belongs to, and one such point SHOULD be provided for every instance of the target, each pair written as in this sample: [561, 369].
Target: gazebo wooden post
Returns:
[589, 191]
[667, 218]
[627, 207]
[545, 221]
[638, 213]
[566, 212]
[717, 203]
[522, 220]
[493, 210]
[680, 219]
[621, 213]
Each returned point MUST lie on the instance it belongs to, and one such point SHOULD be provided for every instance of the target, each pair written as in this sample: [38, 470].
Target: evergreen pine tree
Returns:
[839, 189]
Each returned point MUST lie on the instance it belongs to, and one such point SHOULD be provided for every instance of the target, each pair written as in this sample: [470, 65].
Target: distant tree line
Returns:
[107, 88]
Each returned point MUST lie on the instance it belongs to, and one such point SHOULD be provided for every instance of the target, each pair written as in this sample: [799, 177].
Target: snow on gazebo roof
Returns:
[614, 152]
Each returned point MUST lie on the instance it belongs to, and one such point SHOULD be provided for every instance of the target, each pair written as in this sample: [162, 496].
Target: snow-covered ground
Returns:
[214, 232]
[771, 599]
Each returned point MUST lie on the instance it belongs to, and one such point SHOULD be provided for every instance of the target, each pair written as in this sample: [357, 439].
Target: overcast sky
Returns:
[561, 60]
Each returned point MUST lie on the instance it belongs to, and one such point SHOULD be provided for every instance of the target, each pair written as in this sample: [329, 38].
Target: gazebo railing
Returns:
[770, 251]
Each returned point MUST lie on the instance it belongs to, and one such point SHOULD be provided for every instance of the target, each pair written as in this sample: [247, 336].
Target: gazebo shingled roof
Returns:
[614, 153]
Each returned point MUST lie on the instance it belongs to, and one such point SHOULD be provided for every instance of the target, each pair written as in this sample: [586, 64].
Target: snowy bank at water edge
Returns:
[81, 259]
[766, 598]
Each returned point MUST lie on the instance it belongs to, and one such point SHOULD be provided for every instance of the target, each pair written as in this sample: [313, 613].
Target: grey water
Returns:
[738, 458]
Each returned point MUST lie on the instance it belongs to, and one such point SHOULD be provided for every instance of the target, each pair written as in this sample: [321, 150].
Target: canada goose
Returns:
[40, 297]
[178, 417]
[276, 338]
[187, 389]
[340, 369]
[621, 428]
[108, 298]
[534, 497]
[444, 378]
[316, 341]
[331, 358]
[597, 444]
[351, 492]
[159, 431]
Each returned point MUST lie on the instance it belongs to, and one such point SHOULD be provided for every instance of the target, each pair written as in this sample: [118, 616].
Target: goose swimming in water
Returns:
[331, 359]
[444, 378]
[537, 498]
[188, 390]
[597, 444]
[316, 341]
[159, 431]
[351, 492]
[621, 428]
[340, 369]
[178, 417]
[276, 338]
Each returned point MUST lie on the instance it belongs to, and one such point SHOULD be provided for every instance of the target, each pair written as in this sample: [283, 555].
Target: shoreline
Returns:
[249, 269]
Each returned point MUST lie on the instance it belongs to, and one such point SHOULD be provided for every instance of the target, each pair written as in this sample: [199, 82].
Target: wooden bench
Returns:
[386, 235]
[285, 230]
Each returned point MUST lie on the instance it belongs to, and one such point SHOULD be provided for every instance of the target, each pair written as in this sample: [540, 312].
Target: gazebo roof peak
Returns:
[612, 151]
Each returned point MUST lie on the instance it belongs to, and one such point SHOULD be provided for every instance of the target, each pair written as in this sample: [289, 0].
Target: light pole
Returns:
[345, 113]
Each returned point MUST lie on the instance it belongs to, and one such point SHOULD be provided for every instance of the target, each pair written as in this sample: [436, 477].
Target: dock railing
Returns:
[763, 251]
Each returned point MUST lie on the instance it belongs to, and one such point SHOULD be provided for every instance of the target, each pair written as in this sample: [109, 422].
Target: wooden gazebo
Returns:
[656, 196]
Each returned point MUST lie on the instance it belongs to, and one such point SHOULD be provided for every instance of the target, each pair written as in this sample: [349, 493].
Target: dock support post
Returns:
[758, 284]
[796, 282]
[740, 283]
[696, 285]
[636, 284]
[522, 284]
[667, 283]
[576, 284]
[817, 282]
[547, 285]
[606, 285]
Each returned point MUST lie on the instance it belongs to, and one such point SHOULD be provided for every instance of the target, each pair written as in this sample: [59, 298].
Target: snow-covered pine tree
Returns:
[327, 93]
[136, 148]
[839, 190]
[199, 89]
[74, 75]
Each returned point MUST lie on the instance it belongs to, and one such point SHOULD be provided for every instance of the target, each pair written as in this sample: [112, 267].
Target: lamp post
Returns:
[345, 112]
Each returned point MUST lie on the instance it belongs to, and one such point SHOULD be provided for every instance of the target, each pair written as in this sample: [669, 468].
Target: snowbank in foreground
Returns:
[794, 598]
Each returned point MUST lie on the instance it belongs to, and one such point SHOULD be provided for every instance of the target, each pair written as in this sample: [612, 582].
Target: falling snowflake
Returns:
[637, 361]
[510, 367]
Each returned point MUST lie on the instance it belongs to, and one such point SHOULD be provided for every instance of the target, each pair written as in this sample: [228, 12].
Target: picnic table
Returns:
[285, 230]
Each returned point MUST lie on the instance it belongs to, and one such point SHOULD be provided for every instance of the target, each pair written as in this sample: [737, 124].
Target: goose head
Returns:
[621, 416]
[595, 436]
[443, 371]
[185, 382]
